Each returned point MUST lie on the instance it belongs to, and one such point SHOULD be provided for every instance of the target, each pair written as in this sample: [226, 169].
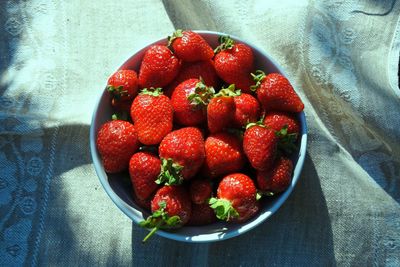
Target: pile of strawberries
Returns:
[202, 133]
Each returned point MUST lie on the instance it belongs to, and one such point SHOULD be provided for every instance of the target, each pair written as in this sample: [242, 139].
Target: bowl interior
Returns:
[118, 186]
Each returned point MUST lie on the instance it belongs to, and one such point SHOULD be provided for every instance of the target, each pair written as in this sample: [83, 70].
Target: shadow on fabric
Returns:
[283, 240]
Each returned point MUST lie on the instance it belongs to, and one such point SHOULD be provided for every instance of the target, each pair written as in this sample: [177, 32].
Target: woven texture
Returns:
[342, 57]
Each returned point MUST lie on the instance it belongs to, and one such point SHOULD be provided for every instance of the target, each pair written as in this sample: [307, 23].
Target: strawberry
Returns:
[152, 114]
[278, 178]
[171, 208]
[190, 46]
[221, 109]
[123, 85]
[247, 110]
[144, 169]
[116, 141]
[275, 92]
[260, 146]
[224, 154]
[234, 63]
[159, 67]
[200, 191]
[194, 70]
[189, 101]
[182, 154]
[201, 214]
[236, 198]
[277, 120]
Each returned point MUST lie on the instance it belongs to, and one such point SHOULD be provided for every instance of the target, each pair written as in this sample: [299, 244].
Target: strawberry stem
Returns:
[226, 42]
[258, 77]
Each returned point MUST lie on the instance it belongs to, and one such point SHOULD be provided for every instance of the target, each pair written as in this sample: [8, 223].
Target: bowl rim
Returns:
[134, 214]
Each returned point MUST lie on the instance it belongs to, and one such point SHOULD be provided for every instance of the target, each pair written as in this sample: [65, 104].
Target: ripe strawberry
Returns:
[236, 198]
[200, 191]
[287, 129]
[260, 146]
[202, 214]
[278, 178]
[152, 114]
[224, 154]
[116, 141]
[234, 63]
[159, 67]
[247, 110]
[275, 92]
[123, 85]
[277, 120]
[221, 109]
[189, 101]
[171, 208]
[190, 46]
[144, 169]
[182, 154]
[194, 70]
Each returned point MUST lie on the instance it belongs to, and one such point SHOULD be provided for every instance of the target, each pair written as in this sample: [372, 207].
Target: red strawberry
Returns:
[189, 101]
[224, 154]
[182, 153]
[194, 70]
[237, 198]
[190, 46]
[123, 84]
[152, 114]
[200, 191]
[116, 141]
[159, 67]
[144, 169]
[202, 214]
[277, 120]
[234, 63]
[287, 129]
[171, 208]
[221, 109]
[278, 178]
[260, 146]
[247, 110]
[275, 92]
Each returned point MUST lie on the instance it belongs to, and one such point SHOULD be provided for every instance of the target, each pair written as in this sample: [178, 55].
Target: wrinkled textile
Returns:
[341, 56]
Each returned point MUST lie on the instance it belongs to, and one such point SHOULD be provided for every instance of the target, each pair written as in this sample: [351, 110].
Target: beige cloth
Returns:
[341, 56]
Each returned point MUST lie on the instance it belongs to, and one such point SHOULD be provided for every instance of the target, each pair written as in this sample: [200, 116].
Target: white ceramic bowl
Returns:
[119, 189]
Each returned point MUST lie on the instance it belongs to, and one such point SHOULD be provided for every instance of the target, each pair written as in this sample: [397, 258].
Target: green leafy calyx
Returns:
[202, 94]
[226, 42]
[178, 33]
[229, 91]
[116, 92]
[151, 91]
[223, 209]
[171, 173]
